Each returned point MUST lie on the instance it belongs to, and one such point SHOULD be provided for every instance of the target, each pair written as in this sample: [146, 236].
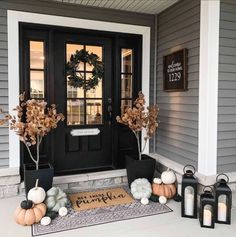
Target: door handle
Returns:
[109, 110]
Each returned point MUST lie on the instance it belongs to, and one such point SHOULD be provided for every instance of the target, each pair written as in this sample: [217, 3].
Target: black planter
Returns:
[140, 168]
[44, 174]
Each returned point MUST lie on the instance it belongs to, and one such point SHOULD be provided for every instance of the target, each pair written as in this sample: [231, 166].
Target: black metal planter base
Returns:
[144, 168]
[44, 174]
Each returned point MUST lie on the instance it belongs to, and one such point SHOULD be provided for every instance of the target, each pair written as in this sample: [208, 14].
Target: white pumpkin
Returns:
[144, 201]
[45, 220]
[157, 181]
[63, 211]
[168, 177]
[36, 194]
[55, 199]
[162, 200]
[141, 188]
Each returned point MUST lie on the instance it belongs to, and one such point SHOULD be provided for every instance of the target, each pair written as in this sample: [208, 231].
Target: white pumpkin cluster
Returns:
[168, 177]
[141, 188]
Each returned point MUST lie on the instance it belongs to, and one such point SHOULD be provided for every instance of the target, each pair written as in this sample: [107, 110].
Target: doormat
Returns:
[97, 216]
[100, 198]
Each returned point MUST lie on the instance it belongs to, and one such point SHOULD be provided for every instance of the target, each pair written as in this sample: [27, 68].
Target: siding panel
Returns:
[226, 153]
[177, 137]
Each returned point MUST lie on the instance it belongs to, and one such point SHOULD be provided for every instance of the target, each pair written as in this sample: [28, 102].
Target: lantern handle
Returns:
[222, 174]
[184, 169]
[205, 187]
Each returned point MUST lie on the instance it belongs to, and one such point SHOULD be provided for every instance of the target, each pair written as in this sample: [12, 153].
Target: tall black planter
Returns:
[44, 174]
[143, 168]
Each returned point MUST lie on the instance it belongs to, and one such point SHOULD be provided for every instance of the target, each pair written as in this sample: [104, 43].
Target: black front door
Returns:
[89, 138]
[85, 139]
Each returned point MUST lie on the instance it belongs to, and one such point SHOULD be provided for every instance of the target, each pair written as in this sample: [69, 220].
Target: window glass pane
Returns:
[94, 111]
[71, 49]
[97, 91]
[36, 55]
[126, 60]
[75, 112]
[37, 84]
[95, 50]
[125, 104]
[126, 86]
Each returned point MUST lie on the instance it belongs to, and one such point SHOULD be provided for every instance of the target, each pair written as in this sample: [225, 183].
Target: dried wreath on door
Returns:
[75, 75]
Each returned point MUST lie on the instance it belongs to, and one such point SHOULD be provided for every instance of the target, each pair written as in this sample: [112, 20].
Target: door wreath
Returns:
[76, 78]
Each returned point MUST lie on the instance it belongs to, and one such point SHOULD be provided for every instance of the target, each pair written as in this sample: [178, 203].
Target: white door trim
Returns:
[13, 19]
[208, 87]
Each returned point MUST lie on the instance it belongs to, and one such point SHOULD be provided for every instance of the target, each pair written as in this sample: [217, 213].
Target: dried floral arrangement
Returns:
[139, 118]
[33, 120]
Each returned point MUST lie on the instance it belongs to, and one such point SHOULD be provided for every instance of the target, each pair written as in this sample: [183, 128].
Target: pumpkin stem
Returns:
[36, 183]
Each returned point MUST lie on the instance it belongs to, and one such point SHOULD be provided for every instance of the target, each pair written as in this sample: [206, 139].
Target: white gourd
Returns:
[36, 194]
[45, 220]
[55, 199]
[157, 181]
[144, 201]
[162, 200]
[63, 211]
[141, 188]
[168, 177]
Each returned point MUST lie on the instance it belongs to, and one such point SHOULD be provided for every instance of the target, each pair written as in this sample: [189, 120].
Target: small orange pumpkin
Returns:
[31, 215]
[166, 190]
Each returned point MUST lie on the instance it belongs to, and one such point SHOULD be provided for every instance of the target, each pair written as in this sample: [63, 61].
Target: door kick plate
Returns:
[85, 132]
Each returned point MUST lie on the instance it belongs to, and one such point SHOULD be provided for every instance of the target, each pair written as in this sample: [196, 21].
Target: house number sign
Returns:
[85, 132]
[175, 71]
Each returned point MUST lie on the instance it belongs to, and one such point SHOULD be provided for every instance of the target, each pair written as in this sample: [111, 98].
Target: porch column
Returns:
[208, 87]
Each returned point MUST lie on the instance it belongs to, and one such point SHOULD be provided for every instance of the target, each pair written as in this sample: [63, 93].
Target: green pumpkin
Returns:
[26, 204]
[55, 199]
[154, 198]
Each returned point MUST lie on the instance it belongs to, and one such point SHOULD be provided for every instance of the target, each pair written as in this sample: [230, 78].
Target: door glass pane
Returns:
[71, 49]
[75, 112]
[125, 104]
[126, 60]
[37, 84]
[94, 111]
[75, 92]
[126, 86]
[97, 91]
[37, 54]
[95, 50]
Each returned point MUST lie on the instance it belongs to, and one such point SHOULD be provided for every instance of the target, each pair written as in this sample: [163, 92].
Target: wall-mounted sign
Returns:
[85, 132]
[175, 71]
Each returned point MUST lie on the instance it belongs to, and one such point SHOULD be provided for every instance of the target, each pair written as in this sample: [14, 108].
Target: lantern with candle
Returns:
[207, 208]
[189, 193]
[223, 200]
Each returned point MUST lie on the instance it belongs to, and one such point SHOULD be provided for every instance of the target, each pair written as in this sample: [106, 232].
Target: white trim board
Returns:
[208, 87]
[13, 19]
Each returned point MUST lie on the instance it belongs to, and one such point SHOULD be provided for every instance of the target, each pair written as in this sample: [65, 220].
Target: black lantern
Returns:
[223, 200]
[207, 208]
[189, 193]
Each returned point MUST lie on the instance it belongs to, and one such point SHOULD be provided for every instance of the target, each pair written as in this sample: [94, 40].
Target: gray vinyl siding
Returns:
[226, 160]
[4, 147]
[55, 8]
[177, 136]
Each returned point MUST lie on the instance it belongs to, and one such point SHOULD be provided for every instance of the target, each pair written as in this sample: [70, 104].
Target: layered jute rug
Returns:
[100, 207]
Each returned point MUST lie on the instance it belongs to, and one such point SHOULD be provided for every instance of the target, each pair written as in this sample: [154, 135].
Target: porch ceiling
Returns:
[141, 6]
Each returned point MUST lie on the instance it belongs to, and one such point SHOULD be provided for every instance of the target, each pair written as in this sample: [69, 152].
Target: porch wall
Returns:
[177, 136]
[4, 153]
[227, 88]
[68, 10]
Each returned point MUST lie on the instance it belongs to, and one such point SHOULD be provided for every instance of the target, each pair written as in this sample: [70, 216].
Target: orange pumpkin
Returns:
[166, 190]
[31, 215]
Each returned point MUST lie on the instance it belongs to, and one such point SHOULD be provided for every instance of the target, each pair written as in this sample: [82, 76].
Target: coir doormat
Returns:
[97, 216]
[100, 198]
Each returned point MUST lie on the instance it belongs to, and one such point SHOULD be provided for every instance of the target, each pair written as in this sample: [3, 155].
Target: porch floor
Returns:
[169, 224]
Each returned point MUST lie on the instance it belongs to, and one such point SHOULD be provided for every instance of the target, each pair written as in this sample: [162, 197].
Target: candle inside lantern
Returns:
[189, 204]
[207, 217]
[222, 209]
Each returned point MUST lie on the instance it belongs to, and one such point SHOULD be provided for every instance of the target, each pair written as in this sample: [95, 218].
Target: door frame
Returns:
[13, 20]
